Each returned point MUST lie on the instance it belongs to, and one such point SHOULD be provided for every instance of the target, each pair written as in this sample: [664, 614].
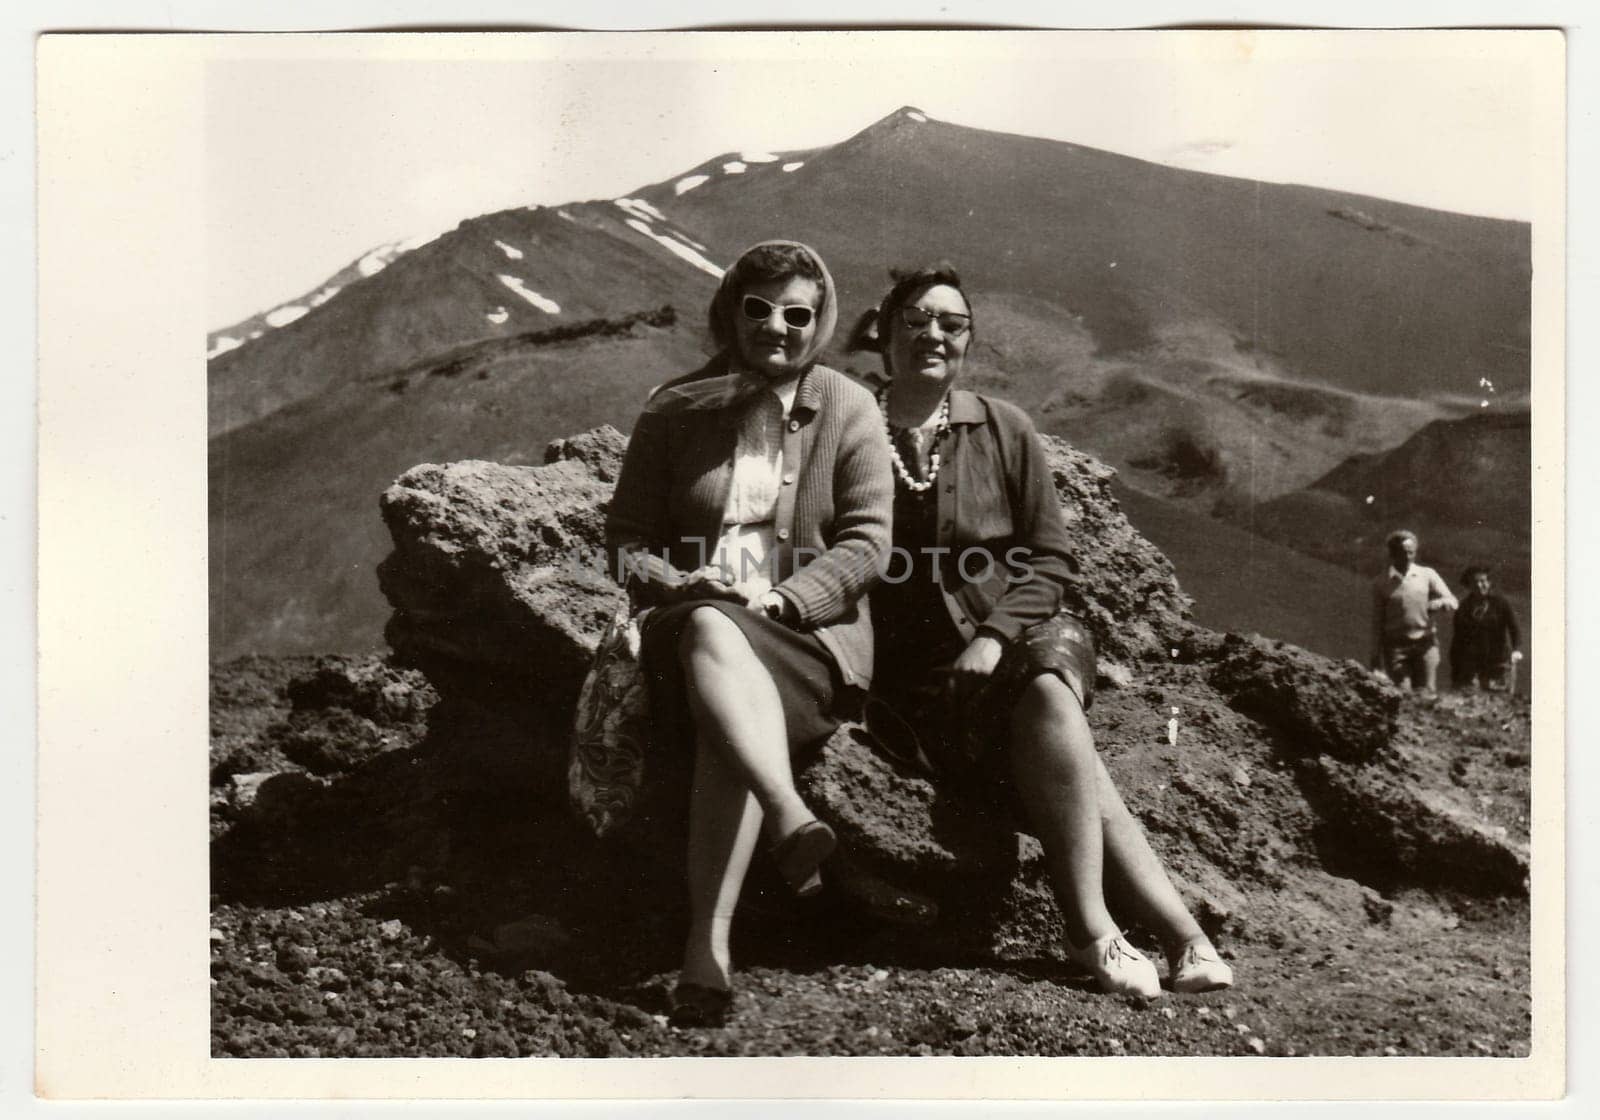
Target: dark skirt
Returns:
[967, 744]
[814, 699]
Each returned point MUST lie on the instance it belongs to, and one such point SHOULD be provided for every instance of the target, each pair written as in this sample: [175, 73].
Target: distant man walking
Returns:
[1486, 643]
[1404, 597]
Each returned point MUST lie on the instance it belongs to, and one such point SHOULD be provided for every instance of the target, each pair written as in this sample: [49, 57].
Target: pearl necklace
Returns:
[939, 429]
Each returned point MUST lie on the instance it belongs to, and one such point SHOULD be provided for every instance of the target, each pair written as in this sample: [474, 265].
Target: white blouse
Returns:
[752, 506]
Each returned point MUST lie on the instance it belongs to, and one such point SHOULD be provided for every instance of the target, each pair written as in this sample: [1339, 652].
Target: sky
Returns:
[318, 150]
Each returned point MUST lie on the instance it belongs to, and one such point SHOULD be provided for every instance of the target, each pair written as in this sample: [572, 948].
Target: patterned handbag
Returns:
[611, 730]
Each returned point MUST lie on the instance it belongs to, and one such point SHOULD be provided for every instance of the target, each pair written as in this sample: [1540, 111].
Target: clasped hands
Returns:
[972, 670]
[712, 581]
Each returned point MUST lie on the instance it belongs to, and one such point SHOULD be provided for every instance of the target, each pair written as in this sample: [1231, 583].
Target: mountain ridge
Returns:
[1152, 315]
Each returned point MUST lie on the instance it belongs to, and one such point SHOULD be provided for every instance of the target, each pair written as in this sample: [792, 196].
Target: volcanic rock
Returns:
[499, 600]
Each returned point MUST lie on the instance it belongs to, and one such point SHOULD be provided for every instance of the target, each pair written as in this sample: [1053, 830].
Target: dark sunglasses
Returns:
[952, 323]
[796, 315]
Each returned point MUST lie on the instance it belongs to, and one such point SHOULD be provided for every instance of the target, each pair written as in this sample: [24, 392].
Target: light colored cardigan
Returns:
[833, 521]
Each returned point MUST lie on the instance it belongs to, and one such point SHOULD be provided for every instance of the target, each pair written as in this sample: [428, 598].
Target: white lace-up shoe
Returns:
[1199, 969]
[1118, 967]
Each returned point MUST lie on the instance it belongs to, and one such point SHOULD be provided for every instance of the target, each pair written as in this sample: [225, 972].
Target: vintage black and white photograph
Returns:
[945, 544]
[828, 544]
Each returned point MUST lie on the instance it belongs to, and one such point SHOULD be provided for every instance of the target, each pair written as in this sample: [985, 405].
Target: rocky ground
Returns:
[369, 905]
[396, 870]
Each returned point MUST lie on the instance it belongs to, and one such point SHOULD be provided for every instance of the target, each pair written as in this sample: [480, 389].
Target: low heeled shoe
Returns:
[1117, 967]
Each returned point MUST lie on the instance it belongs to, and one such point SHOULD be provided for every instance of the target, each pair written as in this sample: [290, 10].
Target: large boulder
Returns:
[1126, 588]
[1285, 759]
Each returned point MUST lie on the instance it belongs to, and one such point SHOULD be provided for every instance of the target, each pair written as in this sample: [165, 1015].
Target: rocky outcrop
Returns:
[1127, 590]
[1259, 769]
[1315, 707]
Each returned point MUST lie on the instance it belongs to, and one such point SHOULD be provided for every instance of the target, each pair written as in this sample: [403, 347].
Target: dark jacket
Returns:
[833, 520]
[1484, 641]
[996, 495]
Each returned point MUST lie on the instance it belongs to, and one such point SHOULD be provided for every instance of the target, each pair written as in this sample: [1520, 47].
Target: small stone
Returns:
[468, 1032]
[1391, 1051]
[880, 976]
[1228, 1012]
[660, 1020]
[295, 959]
[1257, 1045]
[872, 1032]
[246, 786]
[218, 935]
[1204, 1012]
[1241, 777]
[391, 930]
[1168, 1013]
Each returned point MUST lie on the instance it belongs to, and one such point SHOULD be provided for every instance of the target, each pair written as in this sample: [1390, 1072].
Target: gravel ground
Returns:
[365, 906]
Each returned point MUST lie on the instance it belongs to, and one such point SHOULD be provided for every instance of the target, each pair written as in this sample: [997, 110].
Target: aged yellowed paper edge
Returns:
[122, 1002]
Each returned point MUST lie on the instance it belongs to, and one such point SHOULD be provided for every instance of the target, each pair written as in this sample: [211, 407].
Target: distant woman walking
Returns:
[1487, 643]
[752, 514]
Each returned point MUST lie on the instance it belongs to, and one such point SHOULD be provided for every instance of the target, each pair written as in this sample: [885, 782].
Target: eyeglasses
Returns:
[795, 315]
[952, 323]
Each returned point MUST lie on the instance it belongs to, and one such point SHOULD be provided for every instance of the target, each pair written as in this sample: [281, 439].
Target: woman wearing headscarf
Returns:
[977, 652]
[752, 513]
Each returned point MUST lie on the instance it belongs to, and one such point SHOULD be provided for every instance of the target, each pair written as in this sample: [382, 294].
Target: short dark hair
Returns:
[762, 263]
[871, 331]
[1399, 535]
[1473, 573]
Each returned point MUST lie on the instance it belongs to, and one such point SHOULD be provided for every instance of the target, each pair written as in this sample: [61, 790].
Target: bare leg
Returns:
[724, 820]
[1135, 877]
[1054, 768]
[741, 768]
[737, 712]
[1430, 670]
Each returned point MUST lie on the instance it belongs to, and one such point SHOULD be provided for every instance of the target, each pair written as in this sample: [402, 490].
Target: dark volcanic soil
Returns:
[371, 899]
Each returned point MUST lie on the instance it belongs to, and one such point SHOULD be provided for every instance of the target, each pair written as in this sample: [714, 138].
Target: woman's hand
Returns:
[708, 582]
[974, 667]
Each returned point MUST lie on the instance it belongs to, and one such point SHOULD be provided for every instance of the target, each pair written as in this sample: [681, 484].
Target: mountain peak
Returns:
[898, 123]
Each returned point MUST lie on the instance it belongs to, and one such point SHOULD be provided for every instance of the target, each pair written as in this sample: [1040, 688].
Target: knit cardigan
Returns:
[833, 520]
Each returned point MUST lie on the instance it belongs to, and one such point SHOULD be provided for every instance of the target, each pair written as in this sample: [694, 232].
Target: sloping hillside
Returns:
[294, 528]
[493, 277]
[1360, 293]
[1463, 485]
[1221, 342]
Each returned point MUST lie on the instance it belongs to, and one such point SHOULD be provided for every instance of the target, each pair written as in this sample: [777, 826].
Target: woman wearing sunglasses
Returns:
[751, 514]
[975, 650]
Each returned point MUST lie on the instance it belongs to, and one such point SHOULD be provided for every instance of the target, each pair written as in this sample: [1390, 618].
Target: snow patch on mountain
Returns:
[510, 251]
[733, 167]
[222, 345]
[795, 166]
[499, 315]
[374, 262]
[385, 255]
[757, 157]
[918, 117]
[515, 283]
[688, 183]
[676, 247]
[283, 316]
[325, 295]
[639, 208]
